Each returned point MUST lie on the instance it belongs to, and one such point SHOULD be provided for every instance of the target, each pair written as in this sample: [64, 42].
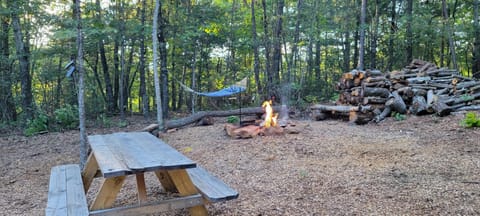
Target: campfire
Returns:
[267, 126]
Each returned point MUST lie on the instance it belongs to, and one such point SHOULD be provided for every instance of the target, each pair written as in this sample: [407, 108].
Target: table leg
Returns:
[142, 191]
[108, 193]
[166, 181]
[185, 187]
[89, 171]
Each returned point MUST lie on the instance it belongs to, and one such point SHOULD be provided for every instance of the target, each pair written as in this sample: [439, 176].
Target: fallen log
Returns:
[194, 118]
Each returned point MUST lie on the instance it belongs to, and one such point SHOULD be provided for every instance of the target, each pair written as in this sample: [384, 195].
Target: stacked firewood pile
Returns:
[420, 88]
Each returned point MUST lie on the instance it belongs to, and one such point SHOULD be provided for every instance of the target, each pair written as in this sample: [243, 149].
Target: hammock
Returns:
[231, 90]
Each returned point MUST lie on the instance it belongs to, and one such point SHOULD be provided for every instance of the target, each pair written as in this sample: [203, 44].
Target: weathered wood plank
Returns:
[108, 193]
[212, 188]
[185, 187]
[151, 208]
[89, 172]
[124, 153]
[109, 164]
[66, 194]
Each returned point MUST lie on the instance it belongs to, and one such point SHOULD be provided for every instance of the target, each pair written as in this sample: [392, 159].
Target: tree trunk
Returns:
[24, 62]
[7, 105]
[363, 14]
[256, 57]
[451, 43]
[145, 107]
[277, 49]
[163, 61]
[409, 32]
[121, 87]
[391, 41]
[374, 37]
[158, 98]
[476, 46]
[268, 59]
[106, 75]
[81, 86]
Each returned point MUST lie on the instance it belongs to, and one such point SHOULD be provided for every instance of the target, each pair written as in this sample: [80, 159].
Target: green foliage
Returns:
[67, 117]
[122, 124]
[233, 119]
[104, 120]
[471, 120]
[37, 125]
[398, 116]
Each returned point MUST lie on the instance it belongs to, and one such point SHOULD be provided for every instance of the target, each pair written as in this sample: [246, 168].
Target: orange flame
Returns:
[270, 117]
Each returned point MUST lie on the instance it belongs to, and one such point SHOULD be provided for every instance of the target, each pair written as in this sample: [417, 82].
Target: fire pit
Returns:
[272, 123]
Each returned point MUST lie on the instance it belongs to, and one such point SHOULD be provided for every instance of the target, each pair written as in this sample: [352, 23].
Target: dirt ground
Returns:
[420, 166]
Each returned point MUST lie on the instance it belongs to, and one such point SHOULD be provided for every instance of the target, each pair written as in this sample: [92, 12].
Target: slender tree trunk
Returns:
[116, 70]
[363, 24]
[24, 62]
[256, 57]
[374, 37]
[391, 41]
[346, 51]
[103, 59]
[296, 38]
[277, 49]
[317, 63]
[158, 98]
[122, 81]
[476, 46]
[409, 32]
[267, 44]
[7, 105]
[81, 86]
[143, 87]
[163, 61]
[451, 42]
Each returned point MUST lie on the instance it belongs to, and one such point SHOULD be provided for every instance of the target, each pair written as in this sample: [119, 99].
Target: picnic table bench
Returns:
[113, 157]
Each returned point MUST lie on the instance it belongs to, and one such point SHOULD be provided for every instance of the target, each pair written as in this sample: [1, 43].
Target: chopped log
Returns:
[468, 108]
[418, 80]
[379, 84]
[375, 92]
[407, 91]
[441, 108]
[270, 131]
[374, 100]
[430, 98]
[419, 92]
[245, 132]
[360, 118]
[341, 109]
[386, 112]
[422, 86]
[468, 84]
[396, 103]
[419, 106]
[398, 85]
[373, 73]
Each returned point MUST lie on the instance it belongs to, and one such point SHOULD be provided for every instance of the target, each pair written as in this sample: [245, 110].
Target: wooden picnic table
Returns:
[135, 153]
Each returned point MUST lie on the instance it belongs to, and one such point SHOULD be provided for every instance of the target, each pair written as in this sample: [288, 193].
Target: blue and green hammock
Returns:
[230, 90]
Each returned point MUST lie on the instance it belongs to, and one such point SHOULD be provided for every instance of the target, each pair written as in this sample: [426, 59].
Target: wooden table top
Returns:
[126, 153]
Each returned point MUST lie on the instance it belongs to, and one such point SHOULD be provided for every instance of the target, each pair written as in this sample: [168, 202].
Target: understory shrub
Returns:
[471, 120]
[67, 117]
[37, 125]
